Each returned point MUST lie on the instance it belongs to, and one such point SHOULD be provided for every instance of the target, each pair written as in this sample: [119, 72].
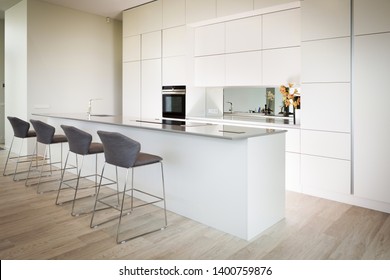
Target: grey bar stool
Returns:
[123, 152]
[46, 136]
[80, 144]
[22, 131]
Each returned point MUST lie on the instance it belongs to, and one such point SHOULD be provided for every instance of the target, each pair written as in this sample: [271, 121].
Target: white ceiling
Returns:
[106, 8]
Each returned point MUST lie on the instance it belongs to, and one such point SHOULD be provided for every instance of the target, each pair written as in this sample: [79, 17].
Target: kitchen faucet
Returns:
[90, 105]
[231, 107]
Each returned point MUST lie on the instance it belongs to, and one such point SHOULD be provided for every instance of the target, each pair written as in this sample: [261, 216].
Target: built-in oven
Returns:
[174, 102]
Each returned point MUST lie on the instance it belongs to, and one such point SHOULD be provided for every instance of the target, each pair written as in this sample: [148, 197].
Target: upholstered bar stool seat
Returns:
[81, 145]
[47, 137]
[124, 152]
[22, 131]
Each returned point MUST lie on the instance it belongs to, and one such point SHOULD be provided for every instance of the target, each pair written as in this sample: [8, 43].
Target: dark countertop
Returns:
[192, 127]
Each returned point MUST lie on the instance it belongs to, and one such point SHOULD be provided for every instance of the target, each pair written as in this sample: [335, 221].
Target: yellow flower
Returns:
[289, 93]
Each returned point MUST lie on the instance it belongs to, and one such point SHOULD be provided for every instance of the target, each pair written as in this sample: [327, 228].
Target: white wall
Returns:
[15, 64]
[58, 58]
[72, 57]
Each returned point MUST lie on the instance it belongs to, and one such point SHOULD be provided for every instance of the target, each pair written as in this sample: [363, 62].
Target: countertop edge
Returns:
[109, 121]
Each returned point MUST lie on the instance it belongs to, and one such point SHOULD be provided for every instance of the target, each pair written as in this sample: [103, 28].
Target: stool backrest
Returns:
[119, 149]
[45, 132]
[19, 126]
[79, 141]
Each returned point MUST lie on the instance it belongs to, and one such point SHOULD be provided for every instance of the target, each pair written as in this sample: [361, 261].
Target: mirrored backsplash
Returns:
[221, 101]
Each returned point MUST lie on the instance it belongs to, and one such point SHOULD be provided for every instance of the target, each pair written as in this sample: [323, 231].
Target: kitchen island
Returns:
[227, 177]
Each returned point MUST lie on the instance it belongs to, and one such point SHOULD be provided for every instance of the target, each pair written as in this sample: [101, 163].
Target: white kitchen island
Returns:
[228, 177]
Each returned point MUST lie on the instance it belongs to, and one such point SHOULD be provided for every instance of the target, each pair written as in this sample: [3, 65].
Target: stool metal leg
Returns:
[97, 197]
[35, 153]
[62, 178]
[9, 153]
[77, 185]
[123, 202]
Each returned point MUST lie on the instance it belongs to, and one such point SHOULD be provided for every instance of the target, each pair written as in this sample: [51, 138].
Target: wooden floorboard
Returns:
[33, 227]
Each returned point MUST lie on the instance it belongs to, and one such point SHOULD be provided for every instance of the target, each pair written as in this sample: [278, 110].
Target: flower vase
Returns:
[286, 111]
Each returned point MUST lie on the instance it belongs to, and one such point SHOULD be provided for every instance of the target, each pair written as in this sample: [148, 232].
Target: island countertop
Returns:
[214, 173]
[228, 132]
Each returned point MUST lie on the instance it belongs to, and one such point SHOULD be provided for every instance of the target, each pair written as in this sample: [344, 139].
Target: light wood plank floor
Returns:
[32, 227]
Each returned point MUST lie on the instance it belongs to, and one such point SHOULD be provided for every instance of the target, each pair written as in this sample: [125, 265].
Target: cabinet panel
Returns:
[326, 60]
[243, 34]
[132, 48]
[282, 29]
[174, 13]
[335, 98]
[293, 172]
[293, 140]
[327, 144]
[151, 101]
[281, 66]
[325, 174]
[243, 69]
[259, 4]
[150, 17]
[198, 10]
[210, 39]
[230, 7]
[371, 16]
[131, 97]
[151, 45]
[325, 19]
[131, 22]
[174, 41]
[371, 132]
[174, 71]
[210, 71]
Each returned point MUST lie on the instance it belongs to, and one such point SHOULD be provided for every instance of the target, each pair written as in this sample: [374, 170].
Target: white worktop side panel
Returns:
[266, 182]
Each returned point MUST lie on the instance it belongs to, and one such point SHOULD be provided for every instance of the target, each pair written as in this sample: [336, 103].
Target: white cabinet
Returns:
[151, 45]
[198, 10]
[371, 16]
[320, 174]
[335, 101]
[174, 13]
[260, 4]
[174, 41]
[293, 174]
[230, 7]
[243, 69]
[131, 96]
[326, 60]
[131, 24]
[132, 48]
[282, 29]
[243, 34]
[150, 16]
[151, 101]
[281, 66]
[174, 70]
[326, 19]
[210, 71]
[371, 132]
[142, 19]
[293, 140]
[210, 39]
[326, 144]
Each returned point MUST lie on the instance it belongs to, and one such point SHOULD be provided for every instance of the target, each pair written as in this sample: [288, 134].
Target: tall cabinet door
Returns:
[131, 96]
[151, 101]
[371, 134]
